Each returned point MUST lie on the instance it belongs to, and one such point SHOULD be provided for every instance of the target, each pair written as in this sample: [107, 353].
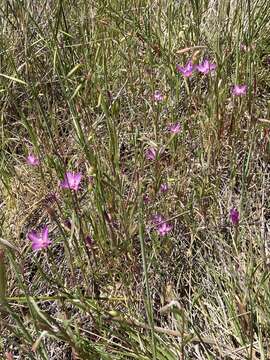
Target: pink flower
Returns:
[164, 188]
[40, 239]
[164, 228]
[32, 160]
[239, 90]
[151, 153]
[71, 181]
[234, 216]
[158, 96]
[186, 70]
[205, 67]
[174, 128]
[156, 219]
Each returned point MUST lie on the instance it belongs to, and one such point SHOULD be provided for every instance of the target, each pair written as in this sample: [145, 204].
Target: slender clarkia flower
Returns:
[32, 160]
[158, 96]
[164, 228]
[174, 128]
[151, 153]
[71, 181]
[239, 90]
[40, 240]
[164, 188]
[205, 67]
[186, 70]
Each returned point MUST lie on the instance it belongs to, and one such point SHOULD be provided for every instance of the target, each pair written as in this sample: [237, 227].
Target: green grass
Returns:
[77, 80]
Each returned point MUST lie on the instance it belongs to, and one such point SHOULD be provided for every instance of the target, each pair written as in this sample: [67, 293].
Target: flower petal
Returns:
[45, 234]
[77, 178]
[37, 245]
[33, 235]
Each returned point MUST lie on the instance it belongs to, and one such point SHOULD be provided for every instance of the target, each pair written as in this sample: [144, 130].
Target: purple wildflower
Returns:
[146, 199]
[71, 181]
[89, 240]
[67, 224]
[151, 153]
[40, 239]
[164, 228]
[164, 188]
[158, 96]
[32, 160]
[234, 216]
[186, 70]
[239, 90]
[174, 128]
[156, 219]
[205, 67]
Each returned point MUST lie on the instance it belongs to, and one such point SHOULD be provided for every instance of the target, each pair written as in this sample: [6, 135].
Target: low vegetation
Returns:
[135, 182]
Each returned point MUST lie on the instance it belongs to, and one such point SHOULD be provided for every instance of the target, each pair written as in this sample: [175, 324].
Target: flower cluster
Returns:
[40, 240]
[72, 180]
[204, 67]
